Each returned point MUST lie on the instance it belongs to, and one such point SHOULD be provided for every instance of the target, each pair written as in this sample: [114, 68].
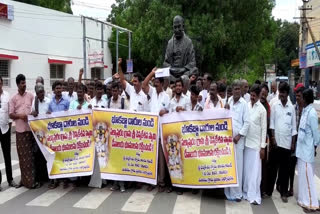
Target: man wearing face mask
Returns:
[180, 55]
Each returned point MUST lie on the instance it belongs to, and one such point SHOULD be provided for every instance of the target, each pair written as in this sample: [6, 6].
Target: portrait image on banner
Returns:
[126, 145]
[198, 148]
[66, 141]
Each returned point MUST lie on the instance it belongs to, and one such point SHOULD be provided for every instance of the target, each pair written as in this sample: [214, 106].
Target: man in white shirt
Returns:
[5, 135]
[283, 127]
[254, 147]
[213, 101]
[222, 92]
[166, 87]
[179, 102]
[244, 89]
[98, 101]
[138, 99]
[41, 103]
[207, 80]
[274, 91]
[159, 105]
[70, 95]
[240, 126]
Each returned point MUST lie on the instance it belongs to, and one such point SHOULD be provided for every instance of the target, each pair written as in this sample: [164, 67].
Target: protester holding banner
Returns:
[98, 101]
[213, 101]
[5, 133]
[254, 147]
[195, 105]
[80, 103]
[19, 109]
[58, 103]
[240, 126]
[40, 105]
[159, 104]
[179, 102]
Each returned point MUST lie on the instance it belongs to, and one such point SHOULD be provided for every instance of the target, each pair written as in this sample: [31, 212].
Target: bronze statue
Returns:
[180, 55]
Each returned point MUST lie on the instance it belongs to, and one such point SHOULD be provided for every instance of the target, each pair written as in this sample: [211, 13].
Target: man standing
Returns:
[194, 105]
[138, 99]
[116, 102]
[308, 138]
[98, 101]
[159, 104]
[5, 132]
[19, 109]
[274, 90]
[207, 80]
[298, 90]
[283, 127]
[58, 103]
[213, 101]
[179, 102]
[244, 89]
[80, 103]
[40, 105]
[254, 147]
[70, 95]
[240, 124]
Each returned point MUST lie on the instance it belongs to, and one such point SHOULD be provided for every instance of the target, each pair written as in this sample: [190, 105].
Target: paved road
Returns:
[87, 200]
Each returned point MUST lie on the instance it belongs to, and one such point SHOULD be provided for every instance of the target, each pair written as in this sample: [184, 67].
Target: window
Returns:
[56, 72]
[4, 72]
[97, 73]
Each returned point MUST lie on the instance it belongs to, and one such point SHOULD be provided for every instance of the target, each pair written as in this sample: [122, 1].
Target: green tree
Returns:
[60, 5]
[224, 33]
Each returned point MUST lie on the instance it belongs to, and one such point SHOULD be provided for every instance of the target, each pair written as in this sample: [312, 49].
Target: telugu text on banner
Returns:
[198, 148]
[126, 145]
[66, 141]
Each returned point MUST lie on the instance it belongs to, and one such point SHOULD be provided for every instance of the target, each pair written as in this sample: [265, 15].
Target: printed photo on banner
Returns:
[198, 147]
[66, 141]
[126, 145]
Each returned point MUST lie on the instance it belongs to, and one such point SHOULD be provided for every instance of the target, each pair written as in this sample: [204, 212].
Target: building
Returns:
[311, 61]
[37, 41]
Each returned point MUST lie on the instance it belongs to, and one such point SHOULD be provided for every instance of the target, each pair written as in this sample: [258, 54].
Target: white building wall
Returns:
[38, 33]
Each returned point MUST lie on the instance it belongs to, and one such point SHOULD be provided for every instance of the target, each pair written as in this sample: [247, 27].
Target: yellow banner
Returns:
[66, 140]
[198, 148]
[126, 145]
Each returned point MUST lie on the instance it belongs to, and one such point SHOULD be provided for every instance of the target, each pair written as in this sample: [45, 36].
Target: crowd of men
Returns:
[271, 135]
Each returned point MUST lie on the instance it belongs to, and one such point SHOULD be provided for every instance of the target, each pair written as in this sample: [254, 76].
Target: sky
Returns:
[284, 9]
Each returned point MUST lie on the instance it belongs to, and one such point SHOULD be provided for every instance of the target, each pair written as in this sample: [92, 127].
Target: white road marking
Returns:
[49, 197]
[139, 201]
[15, 174]
[13, 162]
[11, 193]
[187, 204]
[238, 207]
[93, 199]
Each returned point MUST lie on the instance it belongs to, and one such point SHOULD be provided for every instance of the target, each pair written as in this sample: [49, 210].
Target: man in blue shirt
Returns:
[308, 138]
[58, 103]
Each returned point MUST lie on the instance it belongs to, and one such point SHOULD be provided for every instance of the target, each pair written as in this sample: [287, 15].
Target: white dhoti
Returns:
[252, 175]
[307, 194]
[233, 193]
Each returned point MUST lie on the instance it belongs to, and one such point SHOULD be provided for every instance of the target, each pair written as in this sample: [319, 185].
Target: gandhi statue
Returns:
[180, 55]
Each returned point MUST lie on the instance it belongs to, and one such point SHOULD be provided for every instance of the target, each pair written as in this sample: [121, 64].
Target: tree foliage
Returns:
[60, 5]
[224, 33]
